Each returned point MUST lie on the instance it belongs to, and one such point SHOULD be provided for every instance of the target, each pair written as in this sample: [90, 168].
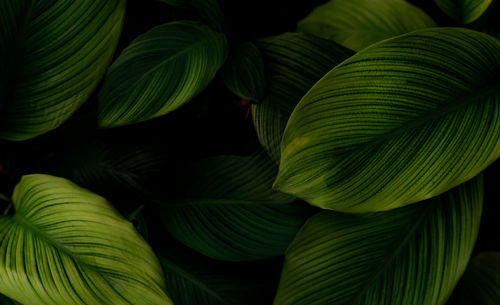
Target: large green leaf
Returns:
[357, 24]
[397, 123]
[225, 209]
[52, 55]
[209, 11]
[66, 245]
[244, 74]
[480, 284]
[159, 72]
[464, 11]
[410, 256]
[294, 63]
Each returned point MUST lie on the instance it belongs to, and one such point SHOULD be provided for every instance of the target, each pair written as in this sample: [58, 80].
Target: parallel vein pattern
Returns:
[225, 209]
[294, 63]
[52, 55]
[160, 71]
[66, 245]
[399, 122]
[410, 256]
[464, 11]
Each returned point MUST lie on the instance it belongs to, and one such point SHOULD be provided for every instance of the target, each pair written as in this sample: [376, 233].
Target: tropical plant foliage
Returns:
[217, 152]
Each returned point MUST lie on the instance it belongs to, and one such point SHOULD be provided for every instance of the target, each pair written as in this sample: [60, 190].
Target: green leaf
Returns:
[194, 279]
[294, 63]
[52, 56]
[66, 245]
[357, 24]
[244, 74]
[463, 11]
[410, 256]
[225, 209]
[480, 284]
[402, 121]
[159, 72]
[209, 11]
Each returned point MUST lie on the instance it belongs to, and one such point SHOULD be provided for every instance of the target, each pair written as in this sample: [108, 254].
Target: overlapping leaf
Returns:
[464, 11]
[66, 245]
[194, 279]
[480, 284]
[357, 24]
[294, 63]
[410, 256]
[244, 74]
[397, 123]
[52, 55]
[225, 209]
[159, 72]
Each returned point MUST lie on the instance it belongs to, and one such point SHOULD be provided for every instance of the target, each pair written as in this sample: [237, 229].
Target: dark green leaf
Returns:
[357, 24]
[410, 256]
[294, 63]
[52, 55]
[159, 72]
[244, 74]
[209, 11]
[399, 122]
[225, 209]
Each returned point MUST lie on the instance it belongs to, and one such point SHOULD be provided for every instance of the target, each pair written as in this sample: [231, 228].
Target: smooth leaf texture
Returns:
[294, 63]
[52, 55]
[357, 24]
[244, 74]
[66, 245]
[159, 72]
[480, 284]
[410, 256]
[397, 123]
[209, 11]
[194, 279]
[464, 11]
[225, 209]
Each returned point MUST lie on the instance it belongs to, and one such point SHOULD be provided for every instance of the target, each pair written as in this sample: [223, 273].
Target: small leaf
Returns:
[52, 56]
[209, 11]
[225, 209]
[66, 245]
[159, 72]
[244, 75]
[480, 284]
[294, 63]
[463, 11]
[410, 256]
[357, 24]
[396, 123]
